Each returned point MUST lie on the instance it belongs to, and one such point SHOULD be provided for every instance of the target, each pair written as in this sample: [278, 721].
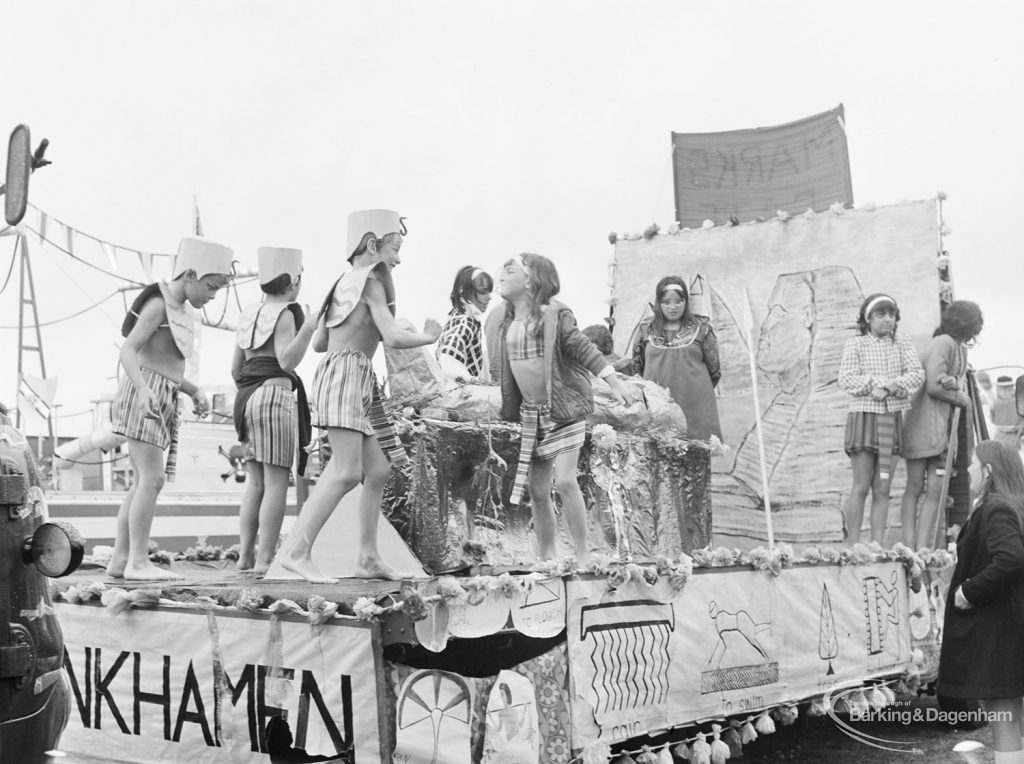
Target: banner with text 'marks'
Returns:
[753, 173]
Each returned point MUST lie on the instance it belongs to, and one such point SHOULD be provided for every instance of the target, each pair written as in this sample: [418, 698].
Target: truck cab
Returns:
[35, 697]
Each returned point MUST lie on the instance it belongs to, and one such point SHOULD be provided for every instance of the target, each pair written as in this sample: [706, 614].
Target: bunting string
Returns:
[47, 232]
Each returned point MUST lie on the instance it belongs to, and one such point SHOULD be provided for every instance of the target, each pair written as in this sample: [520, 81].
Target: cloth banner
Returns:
[646, 658]
[35, 401]
[201, 686]
[753, 173]
[520, 716]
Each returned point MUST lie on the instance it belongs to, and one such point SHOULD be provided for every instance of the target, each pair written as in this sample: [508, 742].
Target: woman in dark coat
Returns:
[983, 638]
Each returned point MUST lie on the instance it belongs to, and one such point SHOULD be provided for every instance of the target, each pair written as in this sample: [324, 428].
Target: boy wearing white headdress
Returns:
[356, 316]
[159, 333]
[271, 340]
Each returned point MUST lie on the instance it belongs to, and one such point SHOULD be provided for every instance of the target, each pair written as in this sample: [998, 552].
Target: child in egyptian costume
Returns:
[159, 333]
[271, 340]
[356, 316]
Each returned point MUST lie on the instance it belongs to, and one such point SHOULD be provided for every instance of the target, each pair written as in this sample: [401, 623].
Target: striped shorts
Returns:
[272, 424]
[129, 419]
[542, 439]
[345, 394]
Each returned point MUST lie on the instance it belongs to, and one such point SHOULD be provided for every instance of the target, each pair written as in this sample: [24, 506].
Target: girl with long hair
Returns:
[926, 428]
[982, 655]
[546, 363]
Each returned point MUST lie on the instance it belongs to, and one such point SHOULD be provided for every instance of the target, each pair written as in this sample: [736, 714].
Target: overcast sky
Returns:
[494, 127]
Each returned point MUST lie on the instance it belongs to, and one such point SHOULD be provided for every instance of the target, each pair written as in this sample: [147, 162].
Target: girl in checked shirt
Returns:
[881, 372]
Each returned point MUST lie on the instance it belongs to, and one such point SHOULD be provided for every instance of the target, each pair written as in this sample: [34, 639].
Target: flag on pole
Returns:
[35, 399]
[197, 223]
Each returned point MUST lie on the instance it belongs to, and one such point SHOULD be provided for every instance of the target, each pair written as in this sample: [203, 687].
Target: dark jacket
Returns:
[983, 647]
[569, 360]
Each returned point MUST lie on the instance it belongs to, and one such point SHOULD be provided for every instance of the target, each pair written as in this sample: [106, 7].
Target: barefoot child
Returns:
[159, 334]
[357, 314]
[881, 372]
[545, 360]
[271, 340]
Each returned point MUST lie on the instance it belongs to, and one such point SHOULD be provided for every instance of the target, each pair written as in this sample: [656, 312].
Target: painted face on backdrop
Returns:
[388, 250]
[513, 280]
[672, 304]
[882, 321]
[200, 291]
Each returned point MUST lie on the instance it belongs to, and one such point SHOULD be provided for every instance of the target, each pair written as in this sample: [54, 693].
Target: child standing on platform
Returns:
[546, 362]
[678, 351]
[357, 314]
[460, 348]
[159, 333]
[271, 340]
[926, 430]
[881, 371]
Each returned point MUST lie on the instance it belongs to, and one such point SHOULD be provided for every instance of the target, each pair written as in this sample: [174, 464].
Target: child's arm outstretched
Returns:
[392, 334]
[577, 346]
[150, 317]
[290, 345]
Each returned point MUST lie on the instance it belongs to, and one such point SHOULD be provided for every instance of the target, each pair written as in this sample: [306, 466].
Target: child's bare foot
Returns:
[245, 562]
[304, 566]
[116, 566]
[547, 553]
[374, 567]
[260, 568]
[149, 572]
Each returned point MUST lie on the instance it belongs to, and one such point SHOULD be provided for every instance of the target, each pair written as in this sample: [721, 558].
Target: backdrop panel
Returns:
[733, 641]
[807, 277]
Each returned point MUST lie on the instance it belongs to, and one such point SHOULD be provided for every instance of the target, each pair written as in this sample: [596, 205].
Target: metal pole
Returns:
[752, 350]
[21, 331]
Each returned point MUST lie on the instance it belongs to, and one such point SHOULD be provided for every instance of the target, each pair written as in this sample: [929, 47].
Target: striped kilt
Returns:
[880, 434]
[345, 395]
[129, 419]
[272, 425]
[543, 439]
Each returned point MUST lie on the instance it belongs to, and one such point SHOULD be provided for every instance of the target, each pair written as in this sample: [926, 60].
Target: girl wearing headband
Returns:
[881, 372]
[982, 654]
[680, 352]
[546, 363]
[460, 348]
[926, 429]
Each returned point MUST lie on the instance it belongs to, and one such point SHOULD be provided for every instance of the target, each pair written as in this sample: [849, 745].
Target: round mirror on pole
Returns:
[19, 165]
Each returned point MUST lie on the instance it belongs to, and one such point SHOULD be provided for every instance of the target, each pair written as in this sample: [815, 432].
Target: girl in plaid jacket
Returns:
[881, 372]
[460, 349]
